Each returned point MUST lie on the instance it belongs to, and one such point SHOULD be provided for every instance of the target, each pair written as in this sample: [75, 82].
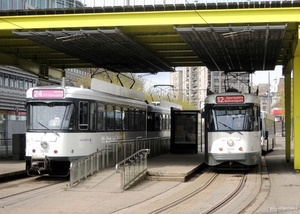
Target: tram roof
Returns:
[223, 37]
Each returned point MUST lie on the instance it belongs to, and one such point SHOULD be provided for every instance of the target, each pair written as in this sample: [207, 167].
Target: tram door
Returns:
[184, 131]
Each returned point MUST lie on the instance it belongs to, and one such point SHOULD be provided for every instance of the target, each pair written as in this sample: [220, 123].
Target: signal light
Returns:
[241, 148]
[55, 151]
[33, 151]
[221, 149]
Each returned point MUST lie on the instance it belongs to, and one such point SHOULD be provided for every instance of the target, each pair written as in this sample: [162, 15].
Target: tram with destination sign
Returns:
[232, 129]
[65, 123]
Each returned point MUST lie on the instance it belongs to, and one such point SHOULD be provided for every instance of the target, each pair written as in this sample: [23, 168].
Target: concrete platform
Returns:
[11, 168]
[168, 167]
[174, 167]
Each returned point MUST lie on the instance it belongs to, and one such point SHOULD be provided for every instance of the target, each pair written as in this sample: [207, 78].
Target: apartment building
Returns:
[190, 84]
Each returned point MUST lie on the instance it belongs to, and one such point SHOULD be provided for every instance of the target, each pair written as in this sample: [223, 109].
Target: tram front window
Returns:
[50, 116]
[231, 119]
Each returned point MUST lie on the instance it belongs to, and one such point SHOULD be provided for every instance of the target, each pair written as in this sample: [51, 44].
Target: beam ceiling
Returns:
[230, 39]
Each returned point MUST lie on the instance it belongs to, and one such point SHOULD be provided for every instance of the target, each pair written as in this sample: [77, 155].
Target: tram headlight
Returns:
[230, 142]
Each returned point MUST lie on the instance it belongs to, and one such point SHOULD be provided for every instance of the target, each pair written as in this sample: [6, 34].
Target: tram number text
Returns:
[44, 151]
[230, 149]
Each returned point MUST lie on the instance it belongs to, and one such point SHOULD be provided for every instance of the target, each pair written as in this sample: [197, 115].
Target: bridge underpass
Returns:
[233, 38]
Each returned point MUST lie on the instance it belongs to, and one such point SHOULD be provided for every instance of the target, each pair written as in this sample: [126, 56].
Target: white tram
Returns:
[232, 129]
[66, 123]
[268, 131]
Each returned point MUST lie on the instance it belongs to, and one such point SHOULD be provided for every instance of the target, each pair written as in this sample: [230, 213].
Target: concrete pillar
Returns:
[287, 95]
[296, 92]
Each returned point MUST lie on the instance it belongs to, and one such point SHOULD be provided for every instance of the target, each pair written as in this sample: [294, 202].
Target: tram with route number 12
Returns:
[232, 129]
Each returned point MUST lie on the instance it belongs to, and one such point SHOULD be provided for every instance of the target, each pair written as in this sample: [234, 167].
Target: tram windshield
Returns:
[51, 116]
[233, 119]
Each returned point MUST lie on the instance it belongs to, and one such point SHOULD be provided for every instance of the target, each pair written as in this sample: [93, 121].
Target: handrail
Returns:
[83, 167]
[142, 151]
[134, 168]
[114, 152]
[86, 157]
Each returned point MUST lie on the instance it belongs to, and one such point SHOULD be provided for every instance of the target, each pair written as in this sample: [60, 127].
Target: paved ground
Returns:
[280, 192]
[284, 194]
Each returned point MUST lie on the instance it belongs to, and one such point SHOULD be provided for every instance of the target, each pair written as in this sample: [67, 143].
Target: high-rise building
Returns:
[219, 81]
[190, 84]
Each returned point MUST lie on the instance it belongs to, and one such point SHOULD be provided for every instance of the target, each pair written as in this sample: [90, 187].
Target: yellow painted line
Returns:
[230, 16]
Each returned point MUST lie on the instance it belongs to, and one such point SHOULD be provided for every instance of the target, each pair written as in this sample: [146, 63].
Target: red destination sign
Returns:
[230, 99]
[48, 93]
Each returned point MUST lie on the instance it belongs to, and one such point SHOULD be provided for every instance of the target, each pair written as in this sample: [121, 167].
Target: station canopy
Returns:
[230, 48]
[157, 46]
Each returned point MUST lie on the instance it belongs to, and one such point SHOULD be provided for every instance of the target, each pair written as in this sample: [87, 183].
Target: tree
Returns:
[132, 81]
[125, 79]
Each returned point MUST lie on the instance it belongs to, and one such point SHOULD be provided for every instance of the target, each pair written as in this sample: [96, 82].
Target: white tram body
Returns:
[232, 129]
[268, 131]
[67, 123]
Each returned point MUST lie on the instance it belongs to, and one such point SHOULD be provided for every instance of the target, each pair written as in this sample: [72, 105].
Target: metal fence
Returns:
[6, 148]
[115, 152]
[133, 168]
[103, 3]
[47, 4]
[87, 166]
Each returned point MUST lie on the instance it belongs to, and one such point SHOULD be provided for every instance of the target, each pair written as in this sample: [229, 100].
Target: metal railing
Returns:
[87, 166]
[133, 168]
[115, 152]
[6, 148]
[41, 4]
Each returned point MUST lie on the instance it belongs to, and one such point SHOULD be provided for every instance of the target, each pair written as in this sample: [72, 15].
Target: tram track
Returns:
[214, 195]
[27, 188]
[234, 193]
[212, 192]
[186, 197]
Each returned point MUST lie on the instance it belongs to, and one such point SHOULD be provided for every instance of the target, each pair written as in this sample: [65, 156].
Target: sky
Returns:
[257, 77]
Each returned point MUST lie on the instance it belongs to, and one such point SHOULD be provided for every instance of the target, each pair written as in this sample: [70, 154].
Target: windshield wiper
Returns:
[230, 128]
[47, 128]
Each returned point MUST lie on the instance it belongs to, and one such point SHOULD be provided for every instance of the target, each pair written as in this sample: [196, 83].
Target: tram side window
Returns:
[93, 118]
[101, 117]
[110, 117]
[150, 121]
[143, 120]
[118, 118]
[126, 118]
[83, 115]
[137, 120]
[164, 127]
[131, 119]
[157, 122]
